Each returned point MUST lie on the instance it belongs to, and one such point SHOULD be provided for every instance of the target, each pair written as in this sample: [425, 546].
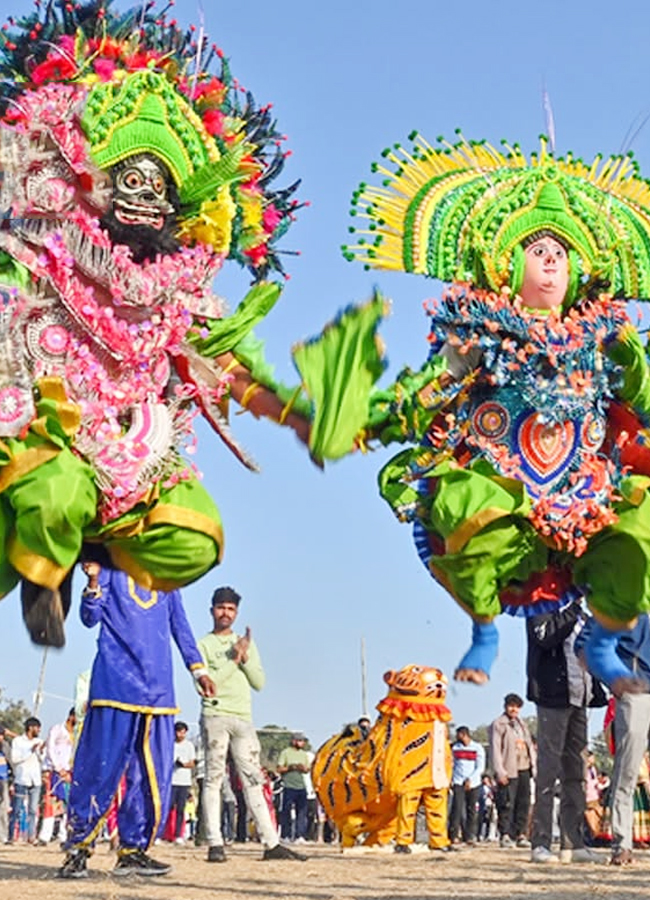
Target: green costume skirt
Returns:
[48, 505]
[486, 544]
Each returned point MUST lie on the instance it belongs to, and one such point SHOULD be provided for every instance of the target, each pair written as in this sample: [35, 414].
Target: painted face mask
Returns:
[143, 215]
[140, 192]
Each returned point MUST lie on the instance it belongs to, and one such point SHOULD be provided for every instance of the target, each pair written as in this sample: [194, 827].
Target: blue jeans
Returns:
[25, 808]
[294, 798]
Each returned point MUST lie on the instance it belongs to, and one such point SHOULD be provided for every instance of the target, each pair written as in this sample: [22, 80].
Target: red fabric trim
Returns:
[418, 711]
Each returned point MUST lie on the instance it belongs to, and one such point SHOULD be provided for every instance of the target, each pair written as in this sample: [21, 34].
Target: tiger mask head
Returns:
[417, 692]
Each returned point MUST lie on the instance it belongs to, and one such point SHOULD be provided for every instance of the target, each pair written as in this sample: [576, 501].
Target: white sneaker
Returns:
[543, 855]
[179, 840]
[580, 855]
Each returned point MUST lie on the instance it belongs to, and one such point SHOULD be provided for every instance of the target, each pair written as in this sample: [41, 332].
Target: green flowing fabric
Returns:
[615, 565]
[169, 551]
[503, 550]
[338, 370]
[630, 354]
[46, 511]
[224, 334]
[12, 273]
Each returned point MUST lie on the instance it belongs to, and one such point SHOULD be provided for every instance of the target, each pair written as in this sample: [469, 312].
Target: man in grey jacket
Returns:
[513, 757]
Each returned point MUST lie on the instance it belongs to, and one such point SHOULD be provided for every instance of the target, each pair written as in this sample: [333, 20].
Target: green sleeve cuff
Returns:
[250, 353]
[629, 353]
[234, 334]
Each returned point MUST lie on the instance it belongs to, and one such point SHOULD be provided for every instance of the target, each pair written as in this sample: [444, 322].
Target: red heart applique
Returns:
[546, 447]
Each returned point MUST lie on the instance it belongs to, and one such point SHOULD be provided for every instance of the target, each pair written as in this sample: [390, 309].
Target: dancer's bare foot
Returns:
[475, 676]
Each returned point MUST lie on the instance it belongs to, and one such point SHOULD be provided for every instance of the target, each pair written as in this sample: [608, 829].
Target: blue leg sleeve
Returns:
[145, 806]
[601, 656]
[484, 649]
[106, 746]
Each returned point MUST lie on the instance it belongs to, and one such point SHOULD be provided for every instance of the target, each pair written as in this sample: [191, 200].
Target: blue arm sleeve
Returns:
[92, 606]
[601, 656]
[182, 633]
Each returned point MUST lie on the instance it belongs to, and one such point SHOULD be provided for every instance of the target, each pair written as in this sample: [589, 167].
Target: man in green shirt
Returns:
[234, 665]
[293, 765]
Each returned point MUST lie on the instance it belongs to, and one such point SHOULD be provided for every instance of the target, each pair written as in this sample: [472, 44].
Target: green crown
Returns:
[459, 212]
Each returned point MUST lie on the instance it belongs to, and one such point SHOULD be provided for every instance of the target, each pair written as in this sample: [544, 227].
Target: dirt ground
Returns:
[30, 873]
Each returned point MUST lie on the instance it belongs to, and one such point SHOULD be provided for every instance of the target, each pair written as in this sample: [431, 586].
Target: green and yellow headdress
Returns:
[152, 87]
[144, 113]
[461, 212]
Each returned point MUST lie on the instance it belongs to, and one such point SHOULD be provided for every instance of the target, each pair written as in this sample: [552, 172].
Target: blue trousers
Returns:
[294, 798]
[114, 743]
[24, 810]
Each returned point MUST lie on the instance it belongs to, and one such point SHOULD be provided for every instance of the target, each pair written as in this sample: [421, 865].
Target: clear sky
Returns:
[318, 557]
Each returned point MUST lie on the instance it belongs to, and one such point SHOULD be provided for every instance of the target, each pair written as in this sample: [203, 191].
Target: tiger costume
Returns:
[373, 786]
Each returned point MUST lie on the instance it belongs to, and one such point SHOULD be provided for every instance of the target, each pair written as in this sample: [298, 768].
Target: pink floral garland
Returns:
[137, 316]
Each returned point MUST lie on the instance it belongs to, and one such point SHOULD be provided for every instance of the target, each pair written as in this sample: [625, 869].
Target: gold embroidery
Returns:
[143, 604]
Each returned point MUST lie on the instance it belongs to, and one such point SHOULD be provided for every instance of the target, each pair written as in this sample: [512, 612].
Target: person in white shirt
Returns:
[184, 762]
[57, 769]
[26, 752]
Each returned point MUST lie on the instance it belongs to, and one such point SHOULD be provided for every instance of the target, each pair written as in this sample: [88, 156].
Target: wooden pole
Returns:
[38, 696]
[364, 695]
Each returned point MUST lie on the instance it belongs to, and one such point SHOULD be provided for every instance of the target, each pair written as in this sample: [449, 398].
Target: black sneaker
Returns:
[216, 853]
[138, 863]
[282, 852]
[74, 865]
[402, 848]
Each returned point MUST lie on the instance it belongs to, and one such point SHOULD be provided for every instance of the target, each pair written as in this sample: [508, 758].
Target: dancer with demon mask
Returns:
[130, 172]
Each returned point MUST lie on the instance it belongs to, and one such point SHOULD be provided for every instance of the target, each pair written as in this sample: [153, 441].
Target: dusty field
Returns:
[28, 873]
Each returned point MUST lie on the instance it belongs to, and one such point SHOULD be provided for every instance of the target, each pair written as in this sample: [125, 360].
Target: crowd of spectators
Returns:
[35, 775]
[34, 782]
[541, 791]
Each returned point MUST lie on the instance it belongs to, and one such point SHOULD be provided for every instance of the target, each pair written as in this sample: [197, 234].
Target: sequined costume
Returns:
[526, 475]
[130, 171]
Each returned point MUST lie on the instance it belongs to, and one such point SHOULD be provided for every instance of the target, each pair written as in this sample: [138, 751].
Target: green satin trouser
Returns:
[48, 504]
[489, 542]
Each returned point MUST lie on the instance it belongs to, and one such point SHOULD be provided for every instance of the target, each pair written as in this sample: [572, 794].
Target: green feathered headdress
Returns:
[153, 87]
[460, 213]
[143, 113]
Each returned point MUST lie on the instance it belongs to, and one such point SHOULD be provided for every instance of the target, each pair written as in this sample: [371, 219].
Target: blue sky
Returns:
[318, 557]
